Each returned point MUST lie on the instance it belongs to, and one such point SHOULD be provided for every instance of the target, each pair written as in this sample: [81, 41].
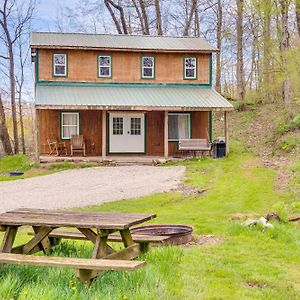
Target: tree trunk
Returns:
[145, 17]
[219, 44]
[4, 136]
[298, 15]
[197, 24]
[284, 47]
[267, 9]
[239, 39]
[139, 16]
[158, 18]
[21, 121]
[190, 18]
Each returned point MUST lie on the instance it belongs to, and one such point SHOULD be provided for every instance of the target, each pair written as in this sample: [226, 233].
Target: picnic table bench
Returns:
[99, 228]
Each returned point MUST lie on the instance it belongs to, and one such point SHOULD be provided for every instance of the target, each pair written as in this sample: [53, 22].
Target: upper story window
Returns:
[60, 64]
[104, 66]
[148, 65]
[190, 68]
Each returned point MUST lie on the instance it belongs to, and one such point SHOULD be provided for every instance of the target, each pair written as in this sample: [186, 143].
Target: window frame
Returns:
[189, 122]
[118, 129]
[62, 113]
[142, 67]
[53, 64]
[185, 68]
[110, 66]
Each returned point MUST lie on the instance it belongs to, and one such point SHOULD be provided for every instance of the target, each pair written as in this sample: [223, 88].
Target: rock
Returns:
[272, 216]
[293, 218]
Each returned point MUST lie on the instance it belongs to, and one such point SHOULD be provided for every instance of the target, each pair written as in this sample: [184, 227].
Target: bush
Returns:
[283, 128]
[288, 144]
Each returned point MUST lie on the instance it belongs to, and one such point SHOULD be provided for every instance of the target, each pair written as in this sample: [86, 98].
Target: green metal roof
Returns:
[138, 97]
[119, 42]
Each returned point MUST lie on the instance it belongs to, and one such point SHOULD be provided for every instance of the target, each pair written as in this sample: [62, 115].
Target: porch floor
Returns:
[144, 160]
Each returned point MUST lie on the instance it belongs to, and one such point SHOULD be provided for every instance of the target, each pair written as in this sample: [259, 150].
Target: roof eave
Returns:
[125, 107]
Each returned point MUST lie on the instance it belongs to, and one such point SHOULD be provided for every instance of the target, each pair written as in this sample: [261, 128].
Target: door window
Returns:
[135, 126]
[117, 126]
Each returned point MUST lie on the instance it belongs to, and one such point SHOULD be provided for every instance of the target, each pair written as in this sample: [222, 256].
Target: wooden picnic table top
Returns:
[56, 218]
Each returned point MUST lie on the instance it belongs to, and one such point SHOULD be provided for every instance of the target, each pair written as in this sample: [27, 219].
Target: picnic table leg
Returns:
[45, 243]
[9, 238]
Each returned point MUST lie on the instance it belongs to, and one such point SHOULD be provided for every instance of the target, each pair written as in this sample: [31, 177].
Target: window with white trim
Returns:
[104, 65]
[118, 126]
[60, 64]
[69, 124]
[148, 65]
[190, 68]
[179, 126]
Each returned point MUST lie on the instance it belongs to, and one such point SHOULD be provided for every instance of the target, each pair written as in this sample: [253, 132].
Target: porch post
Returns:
[166, 138]
[104, 129]
[37, 134]
[226, 132]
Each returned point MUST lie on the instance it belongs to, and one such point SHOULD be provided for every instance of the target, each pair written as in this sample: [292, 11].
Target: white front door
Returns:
[126, 133]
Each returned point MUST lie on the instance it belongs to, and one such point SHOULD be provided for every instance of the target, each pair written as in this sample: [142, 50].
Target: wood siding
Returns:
[126, 67]
[90, 127]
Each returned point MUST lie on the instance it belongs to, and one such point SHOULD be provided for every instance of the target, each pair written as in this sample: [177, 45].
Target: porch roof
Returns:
[130, 97]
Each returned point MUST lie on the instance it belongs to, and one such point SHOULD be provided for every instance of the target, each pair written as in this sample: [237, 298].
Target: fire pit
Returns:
[179, 234]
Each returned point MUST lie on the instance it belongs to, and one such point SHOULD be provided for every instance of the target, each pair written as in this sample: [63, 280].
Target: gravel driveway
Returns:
[81, 187]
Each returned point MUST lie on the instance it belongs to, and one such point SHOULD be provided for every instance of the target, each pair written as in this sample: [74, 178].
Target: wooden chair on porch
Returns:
[77, 144]
[55, 146]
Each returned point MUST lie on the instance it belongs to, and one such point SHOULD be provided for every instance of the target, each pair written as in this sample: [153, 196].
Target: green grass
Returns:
[22, 163]
[249, 263]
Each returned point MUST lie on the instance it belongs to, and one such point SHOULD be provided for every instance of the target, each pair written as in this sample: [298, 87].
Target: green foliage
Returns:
[14, 162]
[281, 210]
[285, 127]
[289, 144]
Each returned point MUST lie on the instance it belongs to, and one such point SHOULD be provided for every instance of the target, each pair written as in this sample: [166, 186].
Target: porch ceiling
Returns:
[127, 97]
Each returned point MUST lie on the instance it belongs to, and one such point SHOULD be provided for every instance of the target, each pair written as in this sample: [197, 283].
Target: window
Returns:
[60, 64]
[179, 127]
[135, 126]
[148, 64]
[104, 66]
[117, 126]
[69, 124]
[190, 68]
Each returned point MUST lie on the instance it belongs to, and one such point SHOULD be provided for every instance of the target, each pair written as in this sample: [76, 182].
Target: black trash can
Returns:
[220, 147]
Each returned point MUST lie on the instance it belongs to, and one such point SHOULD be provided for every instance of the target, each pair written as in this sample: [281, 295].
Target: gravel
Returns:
[89, 186]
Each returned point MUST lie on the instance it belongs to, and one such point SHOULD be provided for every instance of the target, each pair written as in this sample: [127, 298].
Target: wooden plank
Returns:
[137, 238]
[42, 233]
[87, 234]
[19, 249]
[166, 132]
[8, 239]
[37, 134]
[68, 262]
[100, 245]
[52, 218]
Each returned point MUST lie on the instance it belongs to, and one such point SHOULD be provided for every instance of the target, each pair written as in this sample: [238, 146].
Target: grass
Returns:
[249, 263]
[22, 163]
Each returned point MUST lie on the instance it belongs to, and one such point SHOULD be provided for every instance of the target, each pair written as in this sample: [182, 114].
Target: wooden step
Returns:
[74, 263]
[137, 238]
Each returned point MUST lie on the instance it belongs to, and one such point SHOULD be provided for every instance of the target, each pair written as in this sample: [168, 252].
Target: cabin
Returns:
[127, 95]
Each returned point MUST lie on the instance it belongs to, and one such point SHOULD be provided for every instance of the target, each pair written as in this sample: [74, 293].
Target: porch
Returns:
[130, 120]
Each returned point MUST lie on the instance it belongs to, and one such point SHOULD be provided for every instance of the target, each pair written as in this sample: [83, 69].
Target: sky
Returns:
[47, 12]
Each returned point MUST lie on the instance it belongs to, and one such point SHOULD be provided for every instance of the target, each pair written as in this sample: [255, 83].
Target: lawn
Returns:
[247, 263]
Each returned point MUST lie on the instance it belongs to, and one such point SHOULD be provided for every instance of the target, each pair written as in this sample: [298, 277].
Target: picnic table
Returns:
[97, 227]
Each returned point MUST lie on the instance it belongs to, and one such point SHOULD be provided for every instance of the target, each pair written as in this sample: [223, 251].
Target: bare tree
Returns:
[13, 20]
[190, 18]
[297, 6]
[219, 44]
[120, 24]
[240, 57]
[158, 18]
[4, 136]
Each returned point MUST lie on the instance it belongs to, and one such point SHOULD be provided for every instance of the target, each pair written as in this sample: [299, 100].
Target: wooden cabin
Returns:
[127, 95]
